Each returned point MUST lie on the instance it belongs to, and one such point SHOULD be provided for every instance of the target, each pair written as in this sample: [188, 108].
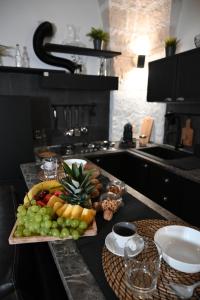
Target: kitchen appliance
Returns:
[78, 148]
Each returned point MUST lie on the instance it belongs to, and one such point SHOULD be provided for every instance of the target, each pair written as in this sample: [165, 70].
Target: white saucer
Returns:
[113, 247]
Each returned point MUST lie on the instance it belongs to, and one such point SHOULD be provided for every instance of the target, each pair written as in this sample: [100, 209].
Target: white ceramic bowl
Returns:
[75, 160]
[180, 247]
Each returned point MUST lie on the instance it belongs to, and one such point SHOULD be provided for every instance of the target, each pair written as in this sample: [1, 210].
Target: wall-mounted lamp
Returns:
[140, 61]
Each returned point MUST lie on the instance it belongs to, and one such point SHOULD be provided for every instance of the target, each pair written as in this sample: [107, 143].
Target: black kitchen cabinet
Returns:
[175, 78]
[161, 80]
[189, 202]
[171, 191]
[188, 76]
[165, 188]
[114, 163]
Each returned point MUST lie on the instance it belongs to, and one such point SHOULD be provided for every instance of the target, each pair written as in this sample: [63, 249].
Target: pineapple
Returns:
[78, 185]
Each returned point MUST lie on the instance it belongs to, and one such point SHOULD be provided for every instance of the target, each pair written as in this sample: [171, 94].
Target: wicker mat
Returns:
[114, 268]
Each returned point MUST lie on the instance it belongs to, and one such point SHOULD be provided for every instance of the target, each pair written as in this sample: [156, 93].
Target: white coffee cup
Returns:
[123, 231]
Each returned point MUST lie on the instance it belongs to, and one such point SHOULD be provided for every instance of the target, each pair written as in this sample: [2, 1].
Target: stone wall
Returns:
[130, 22]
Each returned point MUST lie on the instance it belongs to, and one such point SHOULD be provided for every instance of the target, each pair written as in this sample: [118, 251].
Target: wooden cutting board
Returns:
[146, 127]
[187, 134]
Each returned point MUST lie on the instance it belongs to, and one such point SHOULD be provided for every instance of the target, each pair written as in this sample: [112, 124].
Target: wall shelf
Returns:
[78, 82]
[80, 50]
[9, 69]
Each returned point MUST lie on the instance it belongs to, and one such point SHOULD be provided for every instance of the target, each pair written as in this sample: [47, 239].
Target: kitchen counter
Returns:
[78, 280]
[193, 175]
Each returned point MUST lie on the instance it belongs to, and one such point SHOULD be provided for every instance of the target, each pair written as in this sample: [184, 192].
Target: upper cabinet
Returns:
[175, 78]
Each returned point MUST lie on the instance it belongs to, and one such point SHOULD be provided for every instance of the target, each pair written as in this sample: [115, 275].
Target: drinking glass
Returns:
[50, 165]
[142, 270]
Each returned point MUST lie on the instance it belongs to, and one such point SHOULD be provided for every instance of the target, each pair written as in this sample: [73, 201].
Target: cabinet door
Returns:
[115, 164]
[161, 80]
[188, 76]
[190, 202]
[137, 174]
[165, 189]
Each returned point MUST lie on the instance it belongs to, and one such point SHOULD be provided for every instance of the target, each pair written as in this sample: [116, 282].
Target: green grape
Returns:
[34, 208]
[20, 208]
[46, 218]
[54, 224]
[43, 211]
[42, 224]
[55, 232]
[18, 215]
[60, 221]
[44, 231]
[20, 221]
[31, 219]
[49, 210]
[47, 224]
[80, 231]
[20, 228]
[75, 234]
[26, 232]
[83, 225]
[75, 223]
[30, 214]
[64, 233]
[36, 227]
[33, 202]
[31, 227]
[68, 222]
[38, 218]
[18, 233]
[50, 232]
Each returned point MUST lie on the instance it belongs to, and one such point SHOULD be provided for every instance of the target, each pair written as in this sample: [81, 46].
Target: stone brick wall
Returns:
[127, 21]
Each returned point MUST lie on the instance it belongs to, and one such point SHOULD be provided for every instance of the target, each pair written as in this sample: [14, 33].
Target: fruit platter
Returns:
[66, 208]
[56, 210]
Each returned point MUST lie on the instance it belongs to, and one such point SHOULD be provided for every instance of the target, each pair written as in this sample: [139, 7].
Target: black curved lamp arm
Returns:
[44, 30]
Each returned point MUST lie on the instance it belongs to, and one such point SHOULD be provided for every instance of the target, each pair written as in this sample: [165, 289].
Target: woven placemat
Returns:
[113, 267]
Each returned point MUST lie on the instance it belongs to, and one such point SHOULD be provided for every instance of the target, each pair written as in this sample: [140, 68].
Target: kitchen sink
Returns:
[165, 153]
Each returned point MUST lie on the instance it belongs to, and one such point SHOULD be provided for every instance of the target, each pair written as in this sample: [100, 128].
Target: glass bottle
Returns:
[18, 57]
[25, 58]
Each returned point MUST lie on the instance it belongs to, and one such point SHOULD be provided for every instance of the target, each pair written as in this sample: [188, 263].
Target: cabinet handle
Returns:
[168, 99]
[180, 99]
[166, 180]
[98, 160]
[165, 199]
[146, 166]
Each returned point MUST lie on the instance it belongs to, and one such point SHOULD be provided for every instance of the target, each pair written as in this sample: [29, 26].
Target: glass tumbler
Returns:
[50, 165]
[142, 270]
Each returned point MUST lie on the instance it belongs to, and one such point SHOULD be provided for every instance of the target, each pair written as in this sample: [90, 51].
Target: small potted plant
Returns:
[170, 45]
[98, 36]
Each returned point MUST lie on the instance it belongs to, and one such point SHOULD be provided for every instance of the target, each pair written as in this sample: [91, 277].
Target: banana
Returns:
[45, 185]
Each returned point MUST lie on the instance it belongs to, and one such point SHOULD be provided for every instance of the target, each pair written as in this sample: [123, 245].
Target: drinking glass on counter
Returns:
[50, 166]
[142, 270]
[143, 140]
